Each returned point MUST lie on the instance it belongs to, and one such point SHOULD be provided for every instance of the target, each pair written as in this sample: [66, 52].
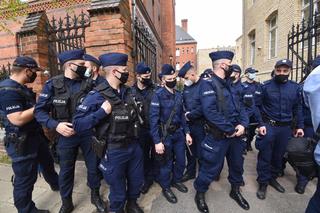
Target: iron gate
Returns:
[303, 45]
[65, 34]
[5, 71]
[145, 48]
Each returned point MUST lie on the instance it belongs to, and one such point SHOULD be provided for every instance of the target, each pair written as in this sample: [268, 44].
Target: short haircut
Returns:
[16, 69]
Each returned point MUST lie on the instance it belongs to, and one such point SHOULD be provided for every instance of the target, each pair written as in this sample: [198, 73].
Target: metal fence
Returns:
[65, 34]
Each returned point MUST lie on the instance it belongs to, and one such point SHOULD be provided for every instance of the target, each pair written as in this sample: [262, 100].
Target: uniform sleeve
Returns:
[185, 126]
[155, 119]
[11, 102]
[89, 113]
[210, 109]
[44, 105]
[298, 110]
[244, 117]
[196, 112]
[258, 105]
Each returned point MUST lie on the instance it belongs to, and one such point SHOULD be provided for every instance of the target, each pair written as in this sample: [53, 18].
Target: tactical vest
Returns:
[122, 124]
[145, 101]
[64, 103]
[30, 99]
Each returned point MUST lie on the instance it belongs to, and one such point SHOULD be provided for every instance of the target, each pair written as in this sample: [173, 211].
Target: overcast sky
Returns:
[211, 22]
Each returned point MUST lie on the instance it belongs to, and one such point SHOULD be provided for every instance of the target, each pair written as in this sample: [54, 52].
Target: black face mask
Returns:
[281, 79]
[32, 78]
[233, 79]
[146, 81]
[124, 77]
[227, 72]
[81, 71]
[171, 84]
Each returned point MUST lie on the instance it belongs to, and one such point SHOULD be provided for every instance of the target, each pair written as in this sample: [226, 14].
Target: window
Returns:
[177, 66]
[273, 31]
[305, 11]
[177, 52]
[252, 40]
[182, 50]
[191, 49]
[188, 50]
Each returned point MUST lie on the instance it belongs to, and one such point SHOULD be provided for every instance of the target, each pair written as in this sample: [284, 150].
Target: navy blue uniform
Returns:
[122, 167]
[161, 107]
[213, 149]
[145, 140]
[278, 104]
[67, 147]
[251, 92]
[192, 104]
[99, 80]
[36, 151]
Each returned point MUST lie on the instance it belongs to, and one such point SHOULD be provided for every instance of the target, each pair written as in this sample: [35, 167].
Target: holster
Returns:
[19, 142]
[99, 146]
[214, 131]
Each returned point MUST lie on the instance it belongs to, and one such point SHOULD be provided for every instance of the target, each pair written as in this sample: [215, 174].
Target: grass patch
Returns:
[4, 158]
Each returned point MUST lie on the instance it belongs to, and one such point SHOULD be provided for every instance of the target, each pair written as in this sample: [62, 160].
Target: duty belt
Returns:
[275, 123]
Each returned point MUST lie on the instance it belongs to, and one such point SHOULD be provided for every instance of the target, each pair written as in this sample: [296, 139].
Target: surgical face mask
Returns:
[124, 76]
[188, 83]
[252, 76]
[88, 73]
[171, 84]
[281, 79]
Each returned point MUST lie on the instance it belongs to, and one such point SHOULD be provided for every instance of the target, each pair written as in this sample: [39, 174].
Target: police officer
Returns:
[224, 126]
[312, 98]
[55, 109]
[143, 91]
[193, 116]
[111, 110]
[166, 112]
[279, 102]
[251, 90]
[93, 66]
[302, 181]
[207, 73]
[25, 141]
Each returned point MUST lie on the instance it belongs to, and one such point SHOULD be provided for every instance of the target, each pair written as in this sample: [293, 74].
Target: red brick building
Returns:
[186, 46]
[143, 29]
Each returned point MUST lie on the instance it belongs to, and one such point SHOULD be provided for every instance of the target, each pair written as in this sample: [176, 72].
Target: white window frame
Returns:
[177, 52]
[271, 29]
[252, 47]
[305, 7]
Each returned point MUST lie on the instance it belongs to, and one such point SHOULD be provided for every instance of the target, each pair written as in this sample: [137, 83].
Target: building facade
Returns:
[266, 25]
[204, 61]
[186, 46]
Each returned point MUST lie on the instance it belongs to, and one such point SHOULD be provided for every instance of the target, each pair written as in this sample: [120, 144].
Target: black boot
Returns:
[133, 207]
[42, 211]
[262, 191]
[201, 202]
[168, 194]
[274, 183]
[67, 206]
[97, 201]
[187, 177]
[181, 187]
[146, 186]
[237, 196]
[300, 188]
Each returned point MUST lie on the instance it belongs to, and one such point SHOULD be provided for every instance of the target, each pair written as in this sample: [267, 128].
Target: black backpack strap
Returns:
[220, 96]
[107, 92]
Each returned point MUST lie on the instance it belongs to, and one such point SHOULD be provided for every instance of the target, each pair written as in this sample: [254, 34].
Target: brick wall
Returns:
[255, 17]
[188, 52]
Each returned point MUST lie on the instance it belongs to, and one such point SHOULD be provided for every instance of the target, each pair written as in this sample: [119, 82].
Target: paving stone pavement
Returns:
[217, 197]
